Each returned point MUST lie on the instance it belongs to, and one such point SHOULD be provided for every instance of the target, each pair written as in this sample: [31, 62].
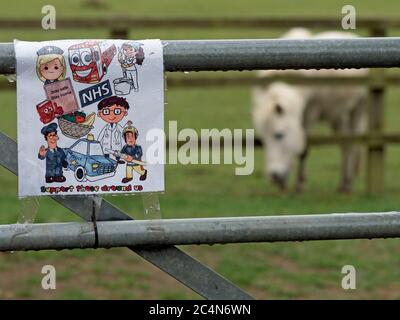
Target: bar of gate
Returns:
[44, 236]
[226, 55]
[272, 54]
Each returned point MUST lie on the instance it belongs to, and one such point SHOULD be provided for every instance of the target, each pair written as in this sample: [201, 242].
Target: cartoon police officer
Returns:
[54, 155]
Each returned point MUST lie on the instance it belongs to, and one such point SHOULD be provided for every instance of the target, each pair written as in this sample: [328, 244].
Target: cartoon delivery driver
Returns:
[50, 64]
[54, 155]
[112, 110]
[132, 153]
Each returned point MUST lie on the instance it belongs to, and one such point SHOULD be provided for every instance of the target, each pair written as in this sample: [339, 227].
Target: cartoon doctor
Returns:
[112, 110]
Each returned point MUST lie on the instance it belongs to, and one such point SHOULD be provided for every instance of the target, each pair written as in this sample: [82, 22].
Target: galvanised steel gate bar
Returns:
[173, 261]
[213, 55]
[141, 233]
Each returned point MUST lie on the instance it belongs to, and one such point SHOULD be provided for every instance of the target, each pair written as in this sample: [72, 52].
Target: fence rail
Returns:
[194, 81]
[158, 233]
[317, 140]
[127, 23]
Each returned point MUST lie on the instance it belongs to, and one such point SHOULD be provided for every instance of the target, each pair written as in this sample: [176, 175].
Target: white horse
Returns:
[283, 114]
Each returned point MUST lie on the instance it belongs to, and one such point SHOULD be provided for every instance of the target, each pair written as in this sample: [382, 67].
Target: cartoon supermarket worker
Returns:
[50, 64]
[54, 155]
[132, 153]
[112, 110]
[130, 55]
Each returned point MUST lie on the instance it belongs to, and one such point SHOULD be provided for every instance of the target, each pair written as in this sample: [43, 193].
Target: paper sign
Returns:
[85, 108]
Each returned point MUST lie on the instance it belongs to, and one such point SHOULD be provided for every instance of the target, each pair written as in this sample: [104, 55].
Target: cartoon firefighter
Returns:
[132, 153]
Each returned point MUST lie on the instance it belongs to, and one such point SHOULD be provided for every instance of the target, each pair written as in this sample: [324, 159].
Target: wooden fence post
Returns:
[376, 147]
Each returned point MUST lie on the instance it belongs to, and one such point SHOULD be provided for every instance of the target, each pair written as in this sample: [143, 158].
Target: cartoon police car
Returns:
[86, 159]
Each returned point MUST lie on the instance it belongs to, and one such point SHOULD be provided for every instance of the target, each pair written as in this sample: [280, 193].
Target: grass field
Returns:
[268, 271]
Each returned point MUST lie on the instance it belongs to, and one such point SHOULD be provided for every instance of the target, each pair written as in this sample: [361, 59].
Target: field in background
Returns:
[272, 271]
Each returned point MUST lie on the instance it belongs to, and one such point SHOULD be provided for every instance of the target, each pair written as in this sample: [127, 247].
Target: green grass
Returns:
[195, 8]
[280, 270]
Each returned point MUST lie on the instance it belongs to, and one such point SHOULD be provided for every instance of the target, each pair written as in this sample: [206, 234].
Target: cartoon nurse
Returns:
[50, 64]
[130, 55]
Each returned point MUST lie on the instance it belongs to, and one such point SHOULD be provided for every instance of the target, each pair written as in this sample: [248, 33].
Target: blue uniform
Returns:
[134, 151]
[55, 158]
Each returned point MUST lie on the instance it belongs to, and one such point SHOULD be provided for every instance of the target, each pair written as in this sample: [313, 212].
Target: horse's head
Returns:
[278, 118]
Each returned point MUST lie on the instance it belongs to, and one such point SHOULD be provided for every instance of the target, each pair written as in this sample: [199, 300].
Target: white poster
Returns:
[84, 110]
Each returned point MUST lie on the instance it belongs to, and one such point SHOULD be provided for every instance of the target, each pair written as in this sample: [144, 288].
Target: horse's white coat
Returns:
[283, 113]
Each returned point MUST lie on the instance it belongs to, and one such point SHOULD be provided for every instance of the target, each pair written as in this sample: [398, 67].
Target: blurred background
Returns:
[267, 271]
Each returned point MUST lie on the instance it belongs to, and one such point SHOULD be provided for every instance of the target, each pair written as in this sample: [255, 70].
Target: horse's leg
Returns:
[342, 127]
[310, 116]
[347, 169]
[359, 125]
[301, 171]
[351, 153]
